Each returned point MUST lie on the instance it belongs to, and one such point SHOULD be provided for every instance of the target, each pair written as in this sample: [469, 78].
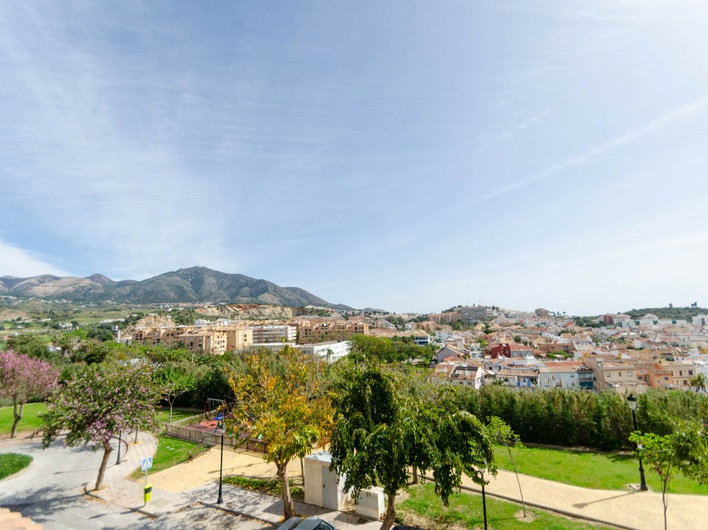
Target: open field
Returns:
[589, 470]
[31, 418]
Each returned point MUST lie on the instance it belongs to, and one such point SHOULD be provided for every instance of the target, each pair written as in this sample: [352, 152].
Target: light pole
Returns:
[220, 427]
[632, 401]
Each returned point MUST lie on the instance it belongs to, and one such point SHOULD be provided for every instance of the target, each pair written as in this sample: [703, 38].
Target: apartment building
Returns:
[214, 340]
[309, 332]
[682, 373]
[272, 334]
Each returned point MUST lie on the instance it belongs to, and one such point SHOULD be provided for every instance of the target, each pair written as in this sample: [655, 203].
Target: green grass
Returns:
[424, 508]
[170, 452]
[163, 414]
[31, 418]
[269, 486]
[609, 471]
[11, 463]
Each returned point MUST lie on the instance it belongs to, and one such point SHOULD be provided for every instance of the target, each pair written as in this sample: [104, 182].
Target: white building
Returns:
[330, 351]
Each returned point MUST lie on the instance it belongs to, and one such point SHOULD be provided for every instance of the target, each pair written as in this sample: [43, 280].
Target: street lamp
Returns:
[632, 401]
[220, 428]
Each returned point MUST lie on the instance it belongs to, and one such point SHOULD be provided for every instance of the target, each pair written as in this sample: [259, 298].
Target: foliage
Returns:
[94, 405]
[35, 346]
[11, 463]
[381, 432]
[173, 380]
[685, 450]
[579, 418]
[264, 485]
[366, 347]
[22, 379]
[278, 398]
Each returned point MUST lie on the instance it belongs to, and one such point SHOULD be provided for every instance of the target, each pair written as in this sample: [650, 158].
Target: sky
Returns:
[406, 155]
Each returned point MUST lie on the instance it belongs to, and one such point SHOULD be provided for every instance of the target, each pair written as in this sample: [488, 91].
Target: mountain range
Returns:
[191, 285]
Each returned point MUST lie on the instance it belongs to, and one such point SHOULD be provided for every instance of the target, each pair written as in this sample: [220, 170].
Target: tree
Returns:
[23, 378]
[97, 403]
[685, 450]
[381, 433]
[173, 380]
[278, 398]
[698, 383]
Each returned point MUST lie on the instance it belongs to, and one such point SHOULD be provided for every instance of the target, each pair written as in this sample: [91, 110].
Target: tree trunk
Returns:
[18, 417]
[104, 463]
[390, 517]
[288, 504]
[414, 480]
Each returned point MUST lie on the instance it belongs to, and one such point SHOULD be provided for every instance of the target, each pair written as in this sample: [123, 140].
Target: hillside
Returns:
[191, 285]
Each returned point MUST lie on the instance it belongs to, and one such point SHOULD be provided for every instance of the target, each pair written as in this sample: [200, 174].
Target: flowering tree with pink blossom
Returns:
[94, 405]
[23, 378]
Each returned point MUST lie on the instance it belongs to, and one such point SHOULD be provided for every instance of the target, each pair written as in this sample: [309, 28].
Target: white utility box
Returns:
[371, 503]
[322, 486]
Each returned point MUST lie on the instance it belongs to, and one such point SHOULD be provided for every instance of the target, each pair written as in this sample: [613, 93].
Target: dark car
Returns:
[311, 523]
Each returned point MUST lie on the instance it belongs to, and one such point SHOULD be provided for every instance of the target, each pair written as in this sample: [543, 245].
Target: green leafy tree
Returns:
[278, 399]
[22, 379]
[380, 433]
[173, 380]
[685, 450]
[97, 403]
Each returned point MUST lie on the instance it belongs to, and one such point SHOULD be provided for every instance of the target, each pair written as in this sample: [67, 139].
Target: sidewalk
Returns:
[197, 482]
[641, 510]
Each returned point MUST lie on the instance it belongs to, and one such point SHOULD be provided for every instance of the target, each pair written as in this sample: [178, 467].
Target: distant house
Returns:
[469, 373]
[448, 351]
[569, 375]
[509, 350]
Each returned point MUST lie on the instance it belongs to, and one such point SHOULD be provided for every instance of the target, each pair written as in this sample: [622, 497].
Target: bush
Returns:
[581, 418]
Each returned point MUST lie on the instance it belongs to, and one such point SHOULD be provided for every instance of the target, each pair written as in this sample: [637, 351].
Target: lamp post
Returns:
[220, 427]
[632, 401]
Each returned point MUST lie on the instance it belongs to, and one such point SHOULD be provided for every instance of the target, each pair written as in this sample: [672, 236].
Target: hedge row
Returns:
[580, 418]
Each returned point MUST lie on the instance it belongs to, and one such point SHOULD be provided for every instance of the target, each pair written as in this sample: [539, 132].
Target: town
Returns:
[503, 347]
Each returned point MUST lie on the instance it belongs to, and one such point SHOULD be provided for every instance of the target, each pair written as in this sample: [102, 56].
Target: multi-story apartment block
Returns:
[613, 374]
[445, 318]
[682, 373]
[313, 332]
[202, 339]
[271, 334]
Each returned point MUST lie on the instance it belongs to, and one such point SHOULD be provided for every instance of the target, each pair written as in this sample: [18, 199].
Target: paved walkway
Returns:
[195, 482]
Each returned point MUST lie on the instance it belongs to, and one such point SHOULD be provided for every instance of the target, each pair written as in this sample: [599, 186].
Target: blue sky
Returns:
[408, 155]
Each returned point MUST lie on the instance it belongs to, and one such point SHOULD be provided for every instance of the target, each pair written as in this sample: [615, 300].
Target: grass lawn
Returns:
[170, 452]
[11, 463]
[424, 508]
[610, 471]
[269, 486]
[31, 418]
[163, 414]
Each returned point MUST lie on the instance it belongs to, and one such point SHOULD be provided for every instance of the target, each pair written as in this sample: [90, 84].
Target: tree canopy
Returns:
[98, 402]
[22, 379]
[381, 432]
[278, 399]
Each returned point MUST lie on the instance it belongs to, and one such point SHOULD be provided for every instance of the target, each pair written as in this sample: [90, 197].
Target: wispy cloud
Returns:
[683, 112]
[18, 262]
